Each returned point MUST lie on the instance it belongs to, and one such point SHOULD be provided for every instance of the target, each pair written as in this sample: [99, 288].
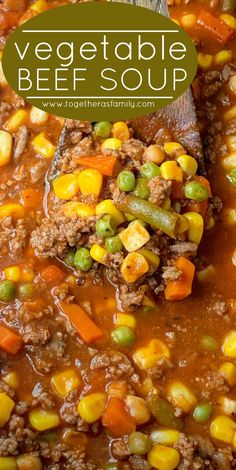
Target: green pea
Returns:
[123, 335]
[209, 343]
[163, 412]
[26, 290]
[232, 177]
[142, 189]
[150, 170]
[202, 412]
[7, 291]
[102, 129]
[113, 244]
[105, 226]
[139, 443]
[69, 259]
[196, 191]
[83, 259]
[126, 181]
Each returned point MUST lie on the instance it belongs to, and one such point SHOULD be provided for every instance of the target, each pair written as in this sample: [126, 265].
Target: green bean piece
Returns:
[123, 335]
[229, 6]
[232, 177]
[126, 181]
[142, 190]
[102, 129]
[83, 259]
[196, 191]
[209, 343]
[7, 291]
[113, 244]
[26, 291]
[162, 219]
[139, 443]
[202, 412]
[150, 170]
[105, 226]
[69, 259]
[163, 412]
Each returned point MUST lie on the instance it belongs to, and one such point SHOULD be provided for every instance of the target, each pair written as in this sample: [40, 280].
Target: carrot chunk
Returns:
[10, 341]
[117, 419]
[104, 164]
[52, 274]
[181, 288]
[216, 28]
[83, 324]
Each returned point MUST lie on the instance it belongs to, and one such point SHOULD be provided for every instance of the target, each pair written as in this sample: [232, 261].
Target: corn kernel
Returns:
[65, 382]
[66, 186]
[27, 274]
[99, 254]
[6, 143]
[134, 236]
[210, 223]
[11, 209]
[92, 407]
[163, 458]
[117, 389]
[188, 21]
[230, 20]
[38, 116]
[148, 302]
[166, 437]
[39, 6]
[145, 387]
[8, 463]
[184, 224]
[234, 441]
[124, 319]
[90, 182]
[151, 257]
[181, 396]
[205, 61]
[138, 409]
[6, 407]
[16, 120]
[223, 57]
[231, 113]
[13, 273]
[172, 147]
[112, 144]
[107, 206]
[231, 142]
[229, 216]
[43, 146]
[77, 209]
[166, 203]
[149, 356]
[171, 171]
[229, 163]
[133, 267]
[120, 131]
[28, 462]
[188, 164]
[232, 83]
[3, 80]
[223, 429]
[229, 345]
[41, 420]
[228, 406]
[228, 370]
[206, 274]
[12, 380]
[196, 228]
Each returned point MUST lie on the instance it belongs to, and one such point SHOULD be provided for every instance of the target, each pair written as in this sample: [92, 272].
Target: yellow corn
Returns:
[227, 405]
[13, 273]
[133, 267]
[112, 144]
[117, 389]
[148, 302]
[231, 142]
[229, 216]
[181, 396]
[145, 387]
[166, 203]
[29, 462]
[229, 345]
[66, 186]
[228, 370]
[184, 224]
[210, 223]
[6, 142]
[166, 437]
[41, 420]
[196, 228]
[149, 356]
[3, 80]
[163, 458]
[12, 209]
[120, 131]
[171, 171]
[205, 274]
[188, 164]
[205, 60]
[188, 21]
[38, 116]
[64, 382]
[27, 274]
[99, 254]
[92, 407]
[231, 113]
[16, 120]
[43, 146]
[6, 407]
[39, 6]
[8, 463]
[230, 162]
[223, 57]
[232, 83]
[134, 236]
[77, 209]
[108, 207]
[12, 380]
[172, 147]
[151, 257]
[230, 20]
[234, 441]
[90, 182]
[223, 429]
[137, 409]
[124, 319]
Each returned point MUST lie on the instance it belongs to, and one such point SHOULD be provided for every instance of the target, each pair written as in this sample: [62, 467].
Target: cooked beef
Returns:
[116, 366]
[171, 273]
[159, 189]
[21, 140]
[131, 297]
[13, 235]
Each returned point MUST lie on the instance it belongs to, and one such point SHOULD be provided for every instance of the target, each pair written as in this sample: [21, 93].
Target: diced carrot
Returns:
[214, 27]
[104, 164]
[31, 197]
[83, 324]
[181, 288]
[199, 207]
[52, 274]
[177, 190]
[116, 419]
[10, 341]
